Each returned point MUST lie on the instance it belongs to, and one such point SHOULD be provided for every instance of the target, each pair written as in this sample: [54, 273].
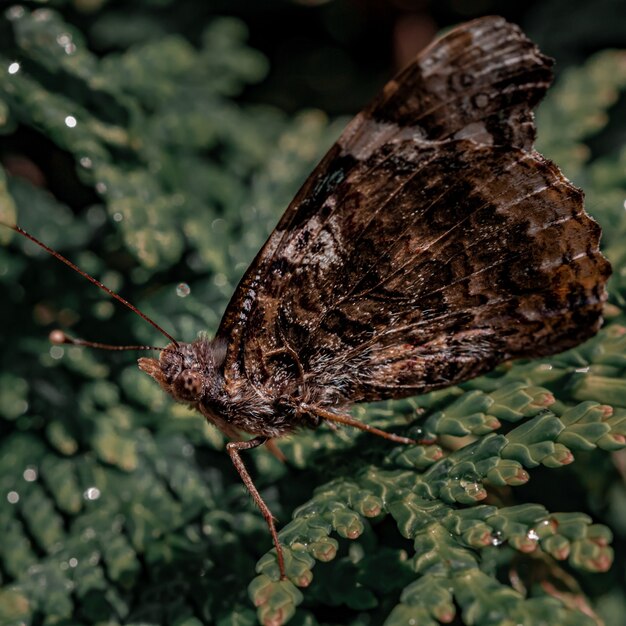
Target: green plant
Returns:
[121, 508]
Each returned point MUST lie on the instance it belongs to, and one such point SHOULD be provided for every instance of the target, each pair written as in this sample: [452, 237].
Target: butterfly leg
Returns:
[234, 435]
[275, 451]
[234, 448]
[348, 420]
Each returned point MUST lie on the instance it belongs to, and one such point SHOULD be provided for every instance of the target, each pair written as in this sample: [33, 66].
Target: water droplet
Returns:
[96, 216]
[70, 121]
[73, 562]
[582, 370]
[14, 68]
[220, 280]
[416, 432]
[118, 217]
[625, 205]
[42, 15]
[30, 474]
[15, 12]
[34, 570]
[13, 497]
[56, 352]
[101, 187]
[104, 309]
[472, 488]
[187, 450]
[532, 535]
[93, 493]
[496, 538]
[183, 290]
[88, 534]
[218, 225]
[86, 162]
[65, 41]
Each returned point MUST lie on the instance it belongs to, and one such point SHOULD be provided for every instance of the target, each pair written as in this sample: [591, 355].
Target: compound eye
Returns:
[189, 384]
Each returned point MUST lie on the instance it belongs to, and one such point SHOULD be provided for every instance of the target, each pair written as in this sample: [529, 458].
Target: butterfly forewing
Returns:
[431, 242]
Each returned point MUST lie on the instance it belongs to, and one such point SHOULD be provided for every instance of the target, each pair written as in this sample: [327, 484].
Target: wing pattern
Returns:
[431, 242]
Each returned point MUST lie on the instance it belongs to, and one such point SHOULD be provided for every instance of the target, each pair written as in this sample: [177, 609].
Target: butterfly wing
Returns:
[431, 242]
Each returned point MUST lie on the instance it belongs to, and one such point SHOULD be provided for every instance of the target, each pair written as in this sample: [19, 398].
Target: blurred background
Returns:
[328, 54]
[156, 143]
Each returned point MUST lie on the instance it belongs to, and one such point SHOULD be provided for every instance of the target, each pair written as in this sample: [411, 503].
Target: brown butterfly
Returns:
[430, 244]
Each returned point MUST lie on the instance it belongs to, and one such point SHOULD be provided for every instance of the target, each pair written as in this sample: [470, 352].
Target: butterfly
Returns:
[430, 244]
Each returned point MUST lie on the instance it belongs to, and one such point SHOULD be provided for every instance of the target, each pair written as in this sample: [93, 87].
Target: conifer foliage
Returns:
[118, 507]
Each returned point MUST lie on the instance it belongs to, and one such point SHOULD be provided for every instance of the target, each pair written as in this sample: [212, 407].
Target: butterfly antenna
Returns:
[58, 337]
[97, 283]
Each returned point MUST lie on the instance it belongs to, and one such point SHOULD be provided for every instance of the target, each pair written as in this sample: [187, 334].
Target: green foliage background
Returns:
[118, 507]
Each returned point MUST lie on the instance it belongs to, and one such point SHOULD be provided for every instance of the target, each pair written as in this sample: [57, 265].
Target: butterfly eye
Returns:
[189, 384]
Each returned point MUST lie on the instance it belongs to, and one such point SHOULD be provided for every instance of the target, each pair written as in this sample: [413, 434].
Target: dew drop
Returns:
[42, 15]
[86, 162]
[183, 290]
[532, 535]
[496, 538]
[218, 225]
[93, 493]
[73, 562]
[89, 533]
[13, 497]
[220, 280]
[416, 432]
[96, 216]
[15, 12]
[104, 309]
[56, 352]
[471, 487]
[118, 217]
[70, 121]
[14, 68]
[65, 41]
[30, 474]
[101, 187]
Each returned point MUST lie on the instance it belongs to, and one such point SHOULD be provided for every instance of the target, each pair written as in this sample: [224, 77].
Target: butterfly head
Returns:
[187, 371]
